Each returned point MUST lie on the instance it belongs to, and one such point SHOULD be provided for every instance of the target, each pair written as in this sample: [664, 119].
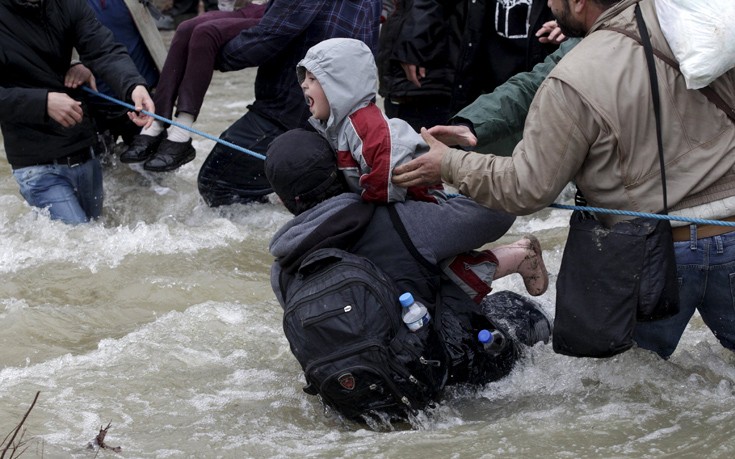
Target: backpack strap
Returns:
[401, 229]
[648, 49]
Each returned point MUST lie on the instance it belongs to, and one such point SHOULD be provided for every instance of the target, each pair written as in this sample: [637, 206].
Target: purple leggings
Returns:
[189, 65]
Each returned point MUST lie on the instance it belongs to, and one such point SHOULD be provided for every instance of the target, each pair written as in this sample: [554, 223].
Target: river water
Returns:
[159, 319]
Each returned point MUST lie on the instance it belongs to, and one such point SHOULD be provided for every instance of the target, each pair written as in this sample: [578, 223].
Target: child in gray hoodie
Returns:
[340, 82]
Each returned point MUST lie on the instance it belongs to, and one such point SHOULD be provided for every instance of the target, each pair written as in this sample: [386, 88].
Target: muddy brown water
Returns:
[160, 319]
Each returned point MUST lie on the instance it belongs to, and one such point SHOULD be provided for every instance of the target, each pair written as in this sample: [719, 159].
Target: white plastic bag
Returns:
[701, 33]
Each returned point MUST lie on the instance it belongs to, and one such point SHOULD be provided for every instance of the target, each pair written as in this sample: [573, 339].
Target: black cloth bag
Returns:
[609, 279]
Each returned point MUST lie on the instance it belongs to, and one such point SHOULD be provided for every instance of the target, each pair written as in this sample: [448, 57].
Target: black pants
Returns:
[424, 111]
[229, 176]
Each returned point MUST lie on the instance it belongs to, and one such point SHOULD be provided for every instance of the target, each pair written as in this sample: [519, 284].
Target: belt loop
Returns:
[719, 245]
[693, 237]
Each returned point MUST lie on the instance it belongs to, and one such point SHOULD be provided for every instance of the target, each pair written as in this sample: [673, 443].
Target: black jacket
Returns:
[36, 44]
[456, 41]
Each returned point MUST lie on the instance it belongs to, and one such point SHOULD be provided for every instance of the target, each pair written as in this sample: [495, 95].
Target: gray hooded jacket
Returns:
[368, 144]
[437, 231]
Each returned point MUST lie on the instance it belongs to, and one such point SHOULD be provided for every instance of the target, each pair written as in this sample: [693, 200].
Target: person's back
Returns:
[405, 240]
[275, 46]
[697, 136]
[114, 15]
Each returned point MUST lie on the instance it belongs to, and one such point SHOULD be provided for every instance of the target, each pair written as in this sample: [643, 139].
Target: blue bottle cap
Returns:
[485, 336]
[406, 299]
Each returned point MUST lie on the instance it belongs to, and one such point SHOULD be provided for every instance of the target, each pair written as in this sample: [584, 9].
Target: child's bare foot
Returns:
[525, 258]
[533, 269]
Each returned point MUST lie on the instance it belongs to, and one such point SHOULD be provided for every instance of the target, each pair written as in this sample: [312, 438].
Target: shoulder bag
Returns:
[612, 277]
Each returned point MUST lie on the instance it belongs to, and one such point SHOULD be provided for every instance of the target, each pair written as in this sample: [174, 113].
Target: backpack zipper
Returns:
[392, 311]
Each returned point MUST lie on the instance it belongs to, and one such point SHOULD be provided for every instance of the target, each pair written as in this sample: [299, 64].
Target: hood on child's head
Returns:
[346, 70]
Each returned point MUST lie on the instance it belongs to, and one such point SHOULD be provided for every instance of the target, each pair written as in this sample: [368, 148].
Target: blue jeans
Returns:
[72, 194]
[706, 270]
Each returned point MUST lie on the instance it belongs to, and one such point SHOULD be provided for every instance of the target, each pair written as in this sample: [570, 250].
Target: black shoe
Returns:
[519, 316]
[141, 148]
[170, 156]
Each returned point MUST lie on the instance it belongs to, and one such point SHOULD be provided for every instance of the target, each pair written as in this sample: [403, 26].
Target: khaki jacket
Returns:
[592, 122]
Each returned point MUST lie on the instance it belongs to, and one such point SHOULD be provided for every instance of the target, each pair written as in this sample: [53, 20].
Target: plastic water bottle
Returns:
[415, 314]
[493, 341]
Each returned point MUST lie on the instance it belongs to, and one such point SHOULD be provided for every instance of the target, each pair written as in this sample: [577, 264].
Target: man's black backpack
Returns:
[343, 322]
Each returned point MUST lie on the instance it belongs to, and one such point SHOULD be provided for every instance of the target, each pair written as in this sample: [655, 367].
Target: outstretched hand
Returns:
[454, 135]
[142, 101]
[424, 170]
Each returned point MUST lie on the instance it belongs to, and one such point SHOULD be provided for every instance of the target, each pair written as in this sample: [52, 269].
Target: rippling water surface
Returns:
[160, 320]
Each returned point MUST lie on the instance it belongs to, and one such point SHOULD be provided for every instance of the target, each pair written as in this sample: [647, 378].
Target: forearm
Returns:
[281, 24]
[524, 183]
[33, 101]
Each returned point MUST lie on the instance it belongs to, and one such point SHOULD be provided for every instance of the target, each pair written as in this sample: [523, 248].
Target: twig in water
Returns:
[11, 445]
[99, 440]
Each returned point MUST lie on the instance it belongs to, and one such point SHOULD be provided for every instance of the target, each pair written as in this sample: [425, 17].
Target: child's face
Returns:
[315, 97]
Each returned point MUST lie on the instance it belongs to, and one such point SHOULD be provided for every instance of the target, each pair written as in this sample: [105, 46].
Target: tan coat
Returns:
[592, 122]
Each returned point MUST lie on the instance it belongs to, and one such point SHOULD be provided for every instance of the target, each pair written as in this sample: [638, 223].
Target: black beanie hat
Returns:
[302, 169]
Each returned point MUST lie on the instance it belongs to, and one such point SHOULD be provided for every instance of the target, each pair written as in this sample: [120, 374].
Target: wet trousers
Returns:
[229, 176]
[189, 65]
[706, 271]
[72, 194]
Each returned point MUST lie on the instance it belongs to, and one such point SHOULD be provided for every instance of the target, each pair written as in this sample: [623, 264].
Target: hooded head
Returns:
[345, 68]
[302, 169]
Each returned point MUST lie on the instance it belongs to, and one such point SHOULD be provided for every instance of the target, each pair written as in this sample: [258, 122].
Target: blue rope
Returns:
[174, 123]
[698, 221]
